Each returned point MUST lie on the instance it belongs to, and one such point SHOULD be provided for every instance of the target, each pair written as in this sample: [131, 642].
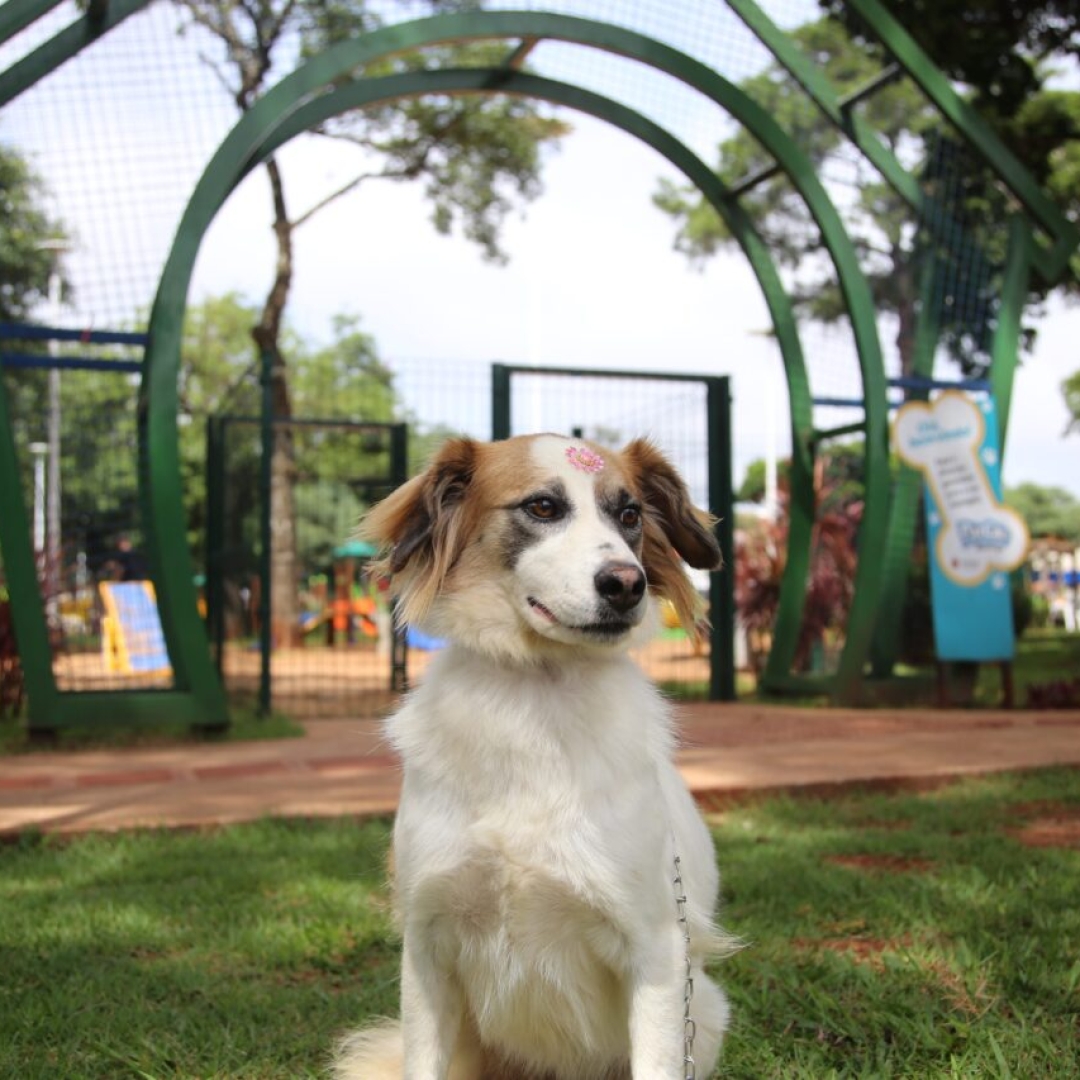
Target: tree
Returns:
[841, 468]
[30, 243]
[892, 252]
[476, 156]
[1048, 511]
[336, 470]
[1070, 388]
[761, 555]
[998, 49]
[29, 239]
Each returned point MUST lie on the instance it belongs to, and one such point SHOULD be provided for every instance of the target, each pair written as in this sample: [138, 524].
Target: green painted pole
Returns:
[500, 402]
[722, 505]
[907, 491]
[215, 536]
[62, 46]
[17, 15]
[266, 531]
[1006, 344]
[277, 117]
[27, 610]
[1053, 263]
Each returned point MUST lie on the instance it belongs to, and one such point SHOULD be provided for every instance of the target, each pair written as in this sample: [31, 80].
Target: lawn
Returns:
[888, 935]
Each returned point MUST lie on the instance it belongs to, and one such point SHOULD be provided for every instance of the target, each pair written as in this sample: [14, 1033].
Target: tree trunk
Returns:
[908, 318]
[284, 574]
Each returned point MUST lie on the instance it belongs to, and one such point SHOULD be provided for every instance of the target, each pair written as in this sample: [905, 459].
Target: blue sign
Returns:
[974, 540]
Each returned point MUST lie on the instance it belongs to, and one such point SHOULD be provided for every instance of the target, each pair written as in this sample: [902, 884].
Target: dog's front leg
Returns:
[431, 1014]
[656, 1010]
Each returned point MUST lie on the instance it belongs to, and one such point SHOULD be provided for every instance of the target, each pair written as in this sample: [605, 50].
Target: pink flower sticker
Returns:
[581, 457]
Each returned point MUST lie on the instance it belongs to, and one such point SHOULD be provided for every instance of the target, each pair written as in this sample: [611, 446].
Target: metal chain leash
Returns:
[689, 1028]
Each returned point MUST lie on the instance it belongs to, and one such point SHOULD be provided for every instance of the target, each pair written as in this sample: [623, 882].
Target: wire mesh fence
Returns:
[333, 650]
[677, 413]
[330, 643]
[76, 437]
[120, 176]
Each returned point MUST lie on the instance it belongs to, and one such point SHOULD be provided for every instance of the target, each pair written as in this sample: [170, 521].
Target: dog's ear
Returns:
[419, 526]
[674, 528]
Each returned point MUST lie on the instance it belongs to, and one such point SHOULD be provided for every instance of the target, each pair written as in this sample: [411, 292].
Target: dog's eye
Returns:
[543, 509]
[630, 517]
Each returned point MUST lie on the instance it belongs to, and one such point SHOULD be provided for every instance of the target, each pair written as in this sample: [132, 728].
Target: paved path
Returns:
[343, 767]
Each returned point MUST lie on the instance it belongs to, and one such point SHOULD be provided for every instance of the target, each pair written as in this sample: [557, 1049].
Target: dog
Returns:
[554, 882]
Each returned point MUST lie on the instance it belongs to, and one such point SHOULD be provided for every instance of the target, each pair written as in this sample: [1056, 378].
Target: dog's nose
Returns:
[622, 585]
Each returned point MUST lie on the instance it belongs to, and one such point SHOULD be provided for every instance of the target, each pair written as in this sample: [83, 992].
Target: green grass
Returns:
[245, 725]
[1042, 656]
[905, 936]
[888, 935]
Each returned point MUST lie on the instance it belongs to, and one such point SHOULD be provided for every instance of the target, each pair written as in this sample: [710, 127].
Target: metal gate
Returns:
[341, 656]
[689, 417]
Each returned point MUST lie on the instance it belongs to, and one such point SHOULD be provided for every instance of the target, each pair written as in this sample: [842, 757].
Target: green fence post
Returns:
[215, 536]
[722, 506]
[500, 402]
[266, 444]
[27, 610]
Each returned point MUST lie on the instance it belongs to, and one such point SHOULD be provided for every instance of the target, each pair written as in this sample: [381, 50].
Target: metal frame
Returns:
[216, 432]
[315, 92]
[324, 86]
[1050, 259]
[720, 494]
[199, 704]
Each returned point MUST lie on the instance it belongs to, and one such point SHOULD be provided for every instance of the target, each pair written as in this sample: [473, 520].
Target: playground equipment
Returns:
[685, 50]
[131, 639]
[350, 608]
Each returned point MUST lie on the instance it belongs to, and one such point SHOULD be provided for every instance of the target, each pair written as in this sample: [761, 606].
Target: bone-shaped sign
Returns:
[944, 440]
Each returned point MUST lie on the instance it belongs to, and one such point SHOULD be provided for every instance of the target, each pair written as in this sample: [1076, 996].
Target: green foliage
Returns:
[98, 459]
[841, 466]
[336, 471]
[477, 156]
[1048, 511]
[25, 231]
[752, 488]
[999, 50]
[892, 246]
[1071, 390]
[343, 380]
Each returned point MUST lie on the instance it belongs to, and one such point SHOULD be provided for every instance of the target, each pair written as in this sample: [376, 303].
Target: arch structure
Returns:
[329, 85]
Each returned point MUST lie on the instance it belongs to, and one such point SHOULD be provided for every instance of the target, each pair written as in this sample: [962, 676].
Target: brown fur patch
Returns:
[424, 527]
[674, 527]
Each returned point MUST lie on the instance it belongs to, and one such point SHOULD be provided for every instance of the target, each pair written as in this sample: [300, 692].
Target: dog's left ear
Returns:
[419, 527]
[688, 529]
[674, 526]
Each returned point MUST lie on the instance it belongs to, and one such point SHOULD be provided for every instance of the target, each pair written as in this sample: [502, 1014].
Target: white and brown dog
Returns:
[541, 814]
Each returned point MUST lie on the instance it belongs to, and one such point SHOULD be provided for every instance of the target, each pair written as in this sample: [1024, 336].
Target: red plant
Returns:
[760, 558]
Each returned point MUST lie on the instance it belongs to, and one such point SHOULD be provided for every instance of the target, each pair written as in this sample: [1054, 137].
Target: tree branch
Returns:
[352, 185]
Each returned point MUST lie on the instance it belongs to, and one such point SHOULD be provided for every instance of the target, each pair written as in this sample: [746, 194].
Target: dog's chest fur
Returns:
[531, 840]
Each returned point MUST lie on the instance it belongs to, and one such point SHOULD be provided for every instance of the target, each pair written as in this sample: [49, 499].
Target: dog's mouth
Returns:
[603, 628]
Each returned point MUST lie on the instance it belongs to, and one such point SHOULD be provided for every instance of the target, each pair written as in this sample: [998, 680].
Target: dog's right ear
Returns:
[419, 527]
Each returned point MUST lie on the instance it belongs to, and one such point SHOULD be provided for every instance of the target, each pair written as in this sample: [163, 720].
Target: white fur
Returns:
[534, 846]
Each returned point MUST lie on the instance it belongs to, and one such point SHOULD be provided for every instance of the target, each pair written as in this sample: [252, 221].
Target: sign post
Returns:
[974, 541]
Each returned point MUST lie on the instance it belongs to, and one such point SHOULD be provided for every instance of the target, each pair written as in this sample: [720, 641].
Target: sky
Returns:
[593, 281]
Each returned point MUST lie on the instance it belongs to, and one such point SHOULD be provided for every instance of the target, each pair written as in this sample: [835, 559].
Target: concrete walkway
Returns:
[344, 767]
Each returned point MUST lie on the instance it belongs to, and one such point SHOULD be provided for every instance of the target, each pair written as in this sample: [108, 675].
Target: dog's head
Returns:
[540, 542]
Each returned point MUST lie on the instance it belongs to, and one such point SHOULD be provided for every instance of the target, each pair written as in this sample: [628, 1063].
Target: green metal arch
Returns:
[286, 110]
